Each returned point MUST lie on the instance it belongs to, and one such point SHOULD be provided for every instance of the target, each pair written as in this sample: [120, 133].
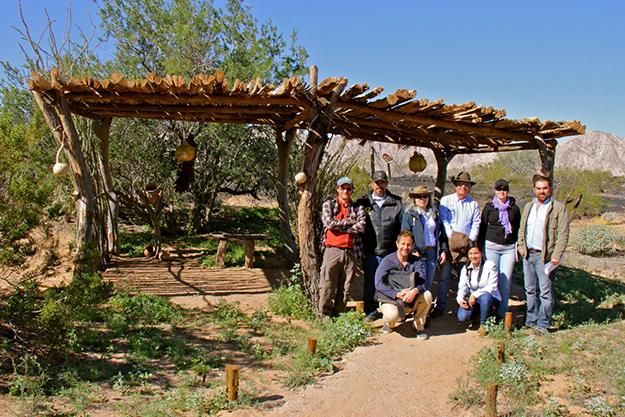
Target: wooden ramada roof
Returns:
[359, 112]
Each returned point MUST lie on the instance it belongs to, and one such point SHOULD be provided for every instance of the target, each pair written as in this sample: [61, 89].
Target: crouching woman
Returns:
[478, 295]
[401, 287]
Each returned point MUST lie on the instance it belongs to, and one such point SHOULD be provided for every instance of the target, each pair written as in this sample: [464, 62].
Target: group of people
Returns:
[400, 250]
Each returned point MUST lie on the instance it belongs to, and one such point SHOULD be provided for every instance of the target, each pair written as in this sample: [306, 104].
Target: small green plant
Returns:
[598, 240]
[289, 300]
[142, 309]
[29, 383]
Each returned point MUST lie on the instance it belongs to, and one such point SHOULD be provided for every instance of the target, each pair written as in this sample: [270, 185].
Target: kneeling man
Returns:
[401, 287]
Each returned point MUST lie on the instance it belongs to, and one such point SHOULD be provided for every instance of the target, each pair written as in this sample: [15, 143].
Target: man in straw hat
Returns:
[343, 221]
[461, 217]
[383, 223]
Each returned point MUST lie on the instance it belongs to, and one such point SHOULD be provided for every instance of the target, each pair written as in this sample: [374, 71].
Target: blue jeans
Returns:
[484, 305]
[431, 259]
[538, 292]
[443, 283]
[370, 265]
[504, 257]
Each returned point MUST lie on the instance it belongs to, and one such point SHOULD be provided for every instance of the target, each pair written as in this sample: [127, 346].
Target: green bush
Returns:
[142, 309]
[290, 301]
[598, 240]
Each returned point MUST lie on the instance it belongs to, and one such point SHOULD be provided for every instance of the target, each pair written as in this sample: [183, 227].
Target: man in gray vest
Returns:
[384, 214]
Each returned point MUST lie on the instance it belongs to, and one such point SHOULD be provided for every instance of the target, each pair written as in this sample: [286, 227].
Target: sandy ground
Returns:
[393, 375]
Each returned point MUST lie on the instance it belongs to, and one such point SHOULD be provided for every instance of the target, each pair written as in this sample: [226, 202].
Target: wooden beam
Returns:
[458, 127]
[203, 99]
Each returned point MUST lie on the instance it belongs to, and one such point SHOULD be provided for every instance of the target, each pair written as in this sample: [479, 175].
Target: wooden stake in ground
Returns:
[312, 345]
[507, 324]
[232, 382]
[360, 306]
[491, 393]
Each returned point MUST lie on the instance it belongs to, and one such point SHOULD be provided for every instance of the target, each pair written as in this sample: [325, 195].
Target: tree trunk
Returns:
[59, 120]
[547, 158]
[284, 146]
[102, 128]
[307, 215]
[442, 160]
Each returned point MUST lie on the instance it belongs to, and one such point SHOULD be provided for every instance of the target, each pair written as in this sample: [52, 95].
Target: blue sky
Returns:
[558, 60]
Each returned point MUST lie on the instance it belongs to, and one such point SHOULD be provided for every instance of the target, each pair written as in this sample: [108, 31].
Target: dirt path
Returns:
[394, 375]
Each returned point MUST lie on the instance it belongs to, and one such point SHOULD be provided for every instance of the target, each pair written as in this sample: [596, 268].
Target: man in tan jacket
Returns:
[543, 236]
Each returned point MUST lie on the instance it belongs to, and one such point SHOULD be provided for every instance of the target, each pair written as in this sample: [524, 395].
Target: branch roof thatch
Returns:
[359, 113]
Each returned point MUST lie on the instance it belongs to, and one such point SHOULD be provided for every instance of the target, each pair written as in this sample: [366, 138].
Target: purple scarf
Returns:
[503, 214]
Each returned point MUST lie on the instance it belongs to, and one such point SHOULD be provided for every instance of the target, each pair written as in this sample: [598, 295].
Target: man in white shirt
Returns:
[543, 237]
[460, 214]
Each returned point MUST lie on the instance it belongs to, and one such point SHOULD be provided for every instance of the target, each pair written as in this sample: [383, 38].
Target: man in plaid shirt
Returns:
[343, 221]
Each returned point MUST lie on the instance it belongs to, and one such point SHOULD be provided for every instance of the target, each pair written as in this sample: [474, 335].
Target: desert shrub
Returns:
[344, 333]
[609, 217]
[598, 240]
[289, 300]
[142, 309]
[336, 337]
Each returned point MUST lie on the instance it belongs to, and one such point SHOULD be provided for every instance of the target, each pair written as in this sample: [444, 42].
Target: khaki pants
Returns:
[337, 272]
[390, 312]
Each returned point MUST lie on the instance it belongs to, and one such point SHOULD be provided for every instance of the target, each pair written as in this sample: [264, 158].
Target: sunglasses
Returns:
[502, 189]
[422, 196]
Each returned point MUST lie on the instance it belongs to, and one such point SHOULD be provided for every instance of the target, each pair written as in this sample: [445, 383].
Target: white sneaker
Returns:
[386, 329]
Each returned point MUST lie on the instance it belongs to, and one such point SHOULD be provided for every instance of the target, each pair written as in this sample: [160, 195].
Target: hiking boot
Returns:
[421, 335]
[373, 316]
[482, 331]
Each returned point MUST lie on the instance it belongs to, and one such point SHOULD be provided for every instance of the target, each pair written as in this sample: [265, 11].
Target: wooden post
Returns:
[284, 145]
[101, 128]
[507, 323]
[220, 258]
[442, 160]
[312, 345]
[501, 351]
[232, 382]
[360, 306]
[491, 393]
[547, 158]
[249, 253]
[491, 401]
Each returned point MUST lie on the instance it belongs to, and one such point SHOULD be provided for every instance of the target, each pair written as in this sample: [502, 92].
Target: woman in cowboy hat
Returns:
[430, 239]
[499, 231]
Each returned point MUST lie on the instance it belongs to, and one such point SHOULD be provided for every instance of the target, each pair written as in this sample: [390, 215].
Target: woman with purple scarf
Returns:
[499, 231]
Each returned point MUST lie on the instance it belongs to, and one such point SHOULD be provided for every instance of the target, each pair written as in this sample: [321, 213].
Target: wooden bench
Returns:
[248, 242]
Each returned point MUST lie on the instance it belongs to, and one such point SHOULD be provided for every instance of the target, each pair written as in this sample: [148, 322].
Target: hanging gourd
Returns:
[300, 178]
[417, 162]
[60, 168]
[185, 152]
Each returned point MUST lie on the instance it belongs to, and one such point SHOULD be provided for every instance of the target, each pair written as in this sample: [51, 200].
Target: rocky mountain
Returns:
[593, 150]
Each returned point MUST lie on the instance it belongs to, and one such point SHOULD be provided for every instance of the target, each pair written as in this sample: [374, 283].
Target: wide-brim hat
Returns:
[462, 177]
[418, 190]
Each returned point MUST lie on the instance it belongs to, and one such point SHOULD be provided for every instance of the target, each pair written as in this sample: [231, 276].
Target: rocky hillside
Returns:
[594, 150]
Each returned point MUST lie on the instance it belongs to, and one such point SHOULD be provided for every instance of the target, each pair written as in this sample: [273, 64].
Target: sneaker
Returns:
[386, 329]
[436, 313]
[541, 331]
[482, 331]
[371, 317]
[421, 335]
[526, 327]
